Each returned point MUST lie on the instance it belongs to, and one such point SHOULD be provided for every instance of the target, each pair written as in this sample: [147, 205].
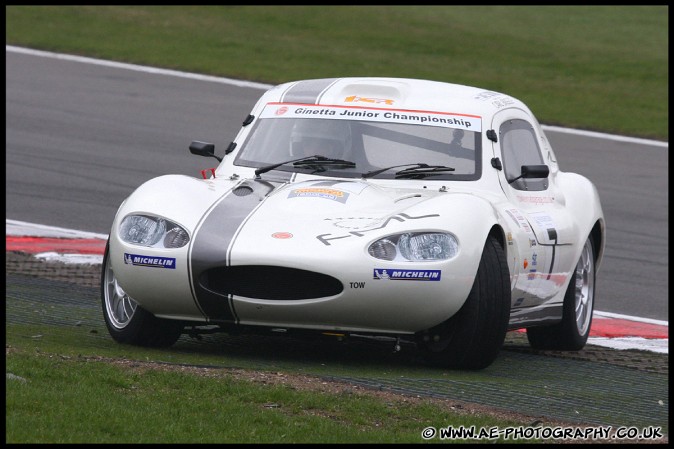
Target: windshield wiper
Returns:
[422, 172]
[309, 161]
[419, 168]
[324, 161]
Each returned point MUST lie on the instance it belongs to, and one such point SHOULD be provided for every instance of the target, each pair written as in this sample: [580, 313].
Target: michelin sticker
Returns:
[406, 275]
[148, 261]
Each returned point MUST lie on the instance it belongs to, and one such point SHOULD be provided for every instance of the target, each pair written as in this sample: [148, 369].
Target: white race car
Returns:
[414, 210]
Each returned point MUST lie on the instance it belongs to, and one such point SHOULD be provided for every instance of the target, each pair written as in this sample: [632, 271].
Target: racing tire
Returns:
[128, 322]
[572, 332]
[472, 338]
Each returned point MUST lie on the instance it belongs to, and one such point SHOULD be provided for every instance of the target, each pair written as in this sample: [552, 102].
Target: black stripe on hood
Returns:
[214, 238]
[308, 92]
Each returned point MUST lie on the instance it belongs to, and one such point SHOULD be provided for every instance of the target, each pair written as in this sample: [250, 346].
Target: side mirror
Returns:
[532, 171]
[203, 149]
[535, 171]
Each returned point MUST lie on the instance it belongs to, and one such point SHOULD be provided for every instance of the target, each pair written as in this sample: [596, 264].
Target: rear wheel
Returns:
[472, 338]
[126, 321]
[572, 332]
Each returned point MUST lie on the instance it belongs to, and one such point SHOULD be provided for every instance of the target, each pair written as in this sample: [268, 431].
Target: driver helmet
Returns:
[325, 137]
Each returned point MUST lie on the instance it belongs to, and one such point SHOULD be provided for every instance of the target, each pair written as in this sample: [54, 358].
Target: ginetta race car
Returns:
[425, 211]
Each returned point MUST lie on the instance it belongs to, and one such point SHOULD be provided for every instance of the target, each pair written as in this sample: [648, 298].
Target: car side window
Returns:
[520, 147]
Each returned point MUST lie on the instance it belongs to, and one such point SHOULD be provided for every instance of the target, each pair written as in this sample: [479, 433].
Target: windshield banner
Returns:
[408, 117]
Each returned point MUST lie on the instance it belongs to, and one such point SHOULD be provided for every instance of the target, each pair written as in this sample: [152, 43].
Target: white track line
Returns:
[137, 68]
[81, 259]
[22, 228]
[659, 345]
[631, 318]
[261, 86]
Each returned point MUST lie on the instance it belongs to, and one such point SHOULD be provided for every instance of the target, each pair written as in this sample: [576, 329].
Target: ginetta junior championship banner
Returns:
[408, 117]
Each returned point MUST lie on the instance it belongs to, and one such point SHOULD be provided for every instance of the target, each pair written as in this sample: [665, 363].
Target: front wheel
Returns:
[572, 332]
[472, 338]
[126, 321]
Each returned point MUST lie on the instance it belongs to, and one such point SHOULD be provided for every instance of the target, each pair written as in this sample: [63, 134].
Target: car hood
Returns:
[329, 210]
[339, 205]
[262, 220]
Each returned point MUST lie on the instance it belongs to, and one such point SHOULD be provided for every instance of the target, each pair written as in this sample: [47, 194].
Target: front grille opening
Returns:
[269, 282]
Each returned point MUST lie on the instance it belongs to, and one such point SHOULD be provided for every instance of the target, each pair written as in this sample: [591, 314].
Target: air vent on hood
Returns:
[243, 191]
[269, 282]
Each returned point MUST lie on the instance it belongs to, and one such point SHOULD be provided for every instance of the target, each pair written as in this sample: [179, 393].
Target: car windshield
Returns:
[373, 139]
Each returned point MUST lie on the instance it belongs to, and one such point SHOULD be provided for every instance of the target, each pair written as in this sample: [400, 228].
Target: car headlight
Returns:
[415, 246]
[147, 230]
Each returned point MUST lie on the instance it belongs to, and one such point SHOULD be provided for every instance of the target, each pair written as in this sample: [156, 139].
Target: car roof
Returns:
[394, 93]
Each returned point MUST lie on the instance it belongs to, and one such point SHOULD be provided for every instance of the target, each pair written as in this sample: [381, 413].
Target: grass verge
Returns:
[601, 68]
[58, 391]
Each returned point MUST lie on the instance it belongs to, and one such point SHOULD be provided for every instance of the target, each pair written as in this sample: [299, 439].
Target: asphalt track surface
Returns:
[81, 137]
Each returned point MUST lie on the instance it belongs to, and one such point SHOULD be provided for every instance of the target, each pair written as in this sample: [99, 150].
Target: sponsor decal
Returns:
[486, 95]
[535, 199]
[343, 186]
[498, 100]
[543, 220]
[406, 275]
[503, 102]
[282, 235]
[405, 116]
[356, 98]
[509, 237]
[532, 275]
[325, 238]
[533, 259]
[316, 192]
[355, 223]
[519, 219]
[149, 261]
